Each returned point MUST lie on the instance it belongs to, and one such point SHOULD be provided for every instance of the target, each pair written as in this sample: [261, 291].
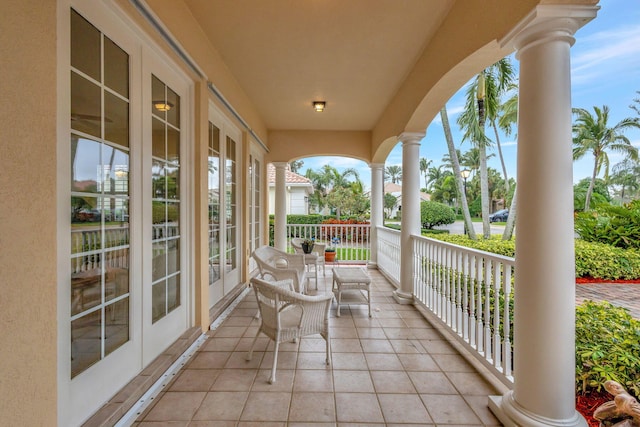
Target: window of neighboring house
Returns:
[99, 195]
[165, 199]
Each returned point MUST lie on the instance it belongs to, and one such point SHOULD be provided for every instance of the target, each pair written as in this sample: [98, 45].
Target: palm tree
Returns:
[626, 174]
[435, 174]
[453, 156]
[393, 172]
[424, 168]
[507, 119]
[593, 135]
[482, 102]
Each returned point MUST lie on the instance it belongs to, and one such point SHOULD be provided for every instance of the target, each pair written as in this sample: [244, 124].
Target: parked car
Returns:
[499, 216]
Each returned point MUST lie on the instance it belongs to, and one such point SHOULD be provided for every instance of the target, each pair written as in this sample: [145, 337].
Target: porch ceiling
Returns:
[352, 54]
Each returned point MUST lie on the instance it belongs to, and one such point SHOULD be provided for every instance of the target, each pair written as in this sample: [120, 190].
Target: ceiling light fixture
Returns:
[162, 105]
[319, 106]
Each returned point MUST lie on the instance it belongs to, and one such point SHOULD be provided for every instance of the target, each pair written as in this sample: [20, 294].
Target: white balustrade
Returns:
[470, 291]
[388, 246]
[351, 241]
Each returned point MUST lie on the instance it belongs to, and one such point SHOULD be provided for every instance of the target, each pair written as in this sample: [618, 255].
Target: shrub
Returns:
[434, 213]
[615, 225]
[606, 262]
[607, 347]
[592, 259]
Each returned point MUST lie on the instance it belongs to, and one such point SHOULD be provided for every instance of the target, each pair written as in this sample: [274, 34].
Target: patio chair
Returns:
[278, 265]
[287, 315]
[316, 260]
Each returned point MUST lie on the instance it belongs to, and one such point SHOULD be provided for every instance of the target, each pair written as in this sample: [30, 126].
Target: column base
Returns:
[372, 265]
[402, 298]
[511, 414]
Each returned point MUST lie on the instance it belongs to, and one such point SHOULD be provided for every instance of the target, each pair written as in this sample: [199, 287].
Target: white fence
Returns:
[471, 292]
[351, 241]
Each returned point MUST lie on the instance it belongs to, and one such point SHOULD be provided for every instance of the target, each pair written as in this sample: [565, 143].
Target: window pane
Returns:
[85, 342]
[158, 138]
[173, 181]
[116, 170]
[158, 303]
[116, 121]
[116, 68]
[116, 279]
[173, 219]
[157, 180]
[116, 325]
[173, 115]
[85, 106]
[173, 256]
[86, 283]
[173, 145]
[173, 292]
[159, 269]
[85, 46]
[85, 165]
[157, 96]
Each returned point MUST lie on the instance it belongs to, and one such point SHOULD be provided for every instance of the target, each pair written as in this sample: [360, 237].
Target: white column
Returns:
[410, 212]
[280, 213]
[544, 323]
[377, 206]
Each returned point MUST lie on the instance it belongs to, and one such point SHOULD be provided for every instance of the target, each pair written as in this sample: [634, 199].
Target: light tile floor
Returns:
[391, 369]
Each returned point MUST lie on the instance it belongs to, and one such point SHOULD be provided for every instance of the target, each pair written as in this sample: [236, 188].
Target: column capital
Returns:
[547, 23]
[411, 137]
[376, 166]
[280, 165]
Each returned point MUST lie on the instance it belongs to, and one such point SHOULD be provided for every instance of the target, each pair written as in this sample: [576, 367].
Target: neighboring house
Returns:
[396, 190]
[299, 188]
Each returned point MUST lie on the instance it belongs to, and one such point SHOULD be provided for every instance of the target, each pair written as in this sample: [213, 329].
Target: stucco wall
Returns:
[28, 288]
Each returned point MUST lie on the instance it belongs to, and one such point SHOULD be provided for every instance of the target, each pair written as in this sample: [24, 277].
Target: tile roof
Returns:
[290, 177]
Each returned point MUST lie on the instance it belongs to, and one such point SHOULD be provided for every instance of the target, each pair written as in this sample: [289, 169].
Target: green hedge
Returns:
[615, 225]
[607, 347]
[592, 259]
[433, 214]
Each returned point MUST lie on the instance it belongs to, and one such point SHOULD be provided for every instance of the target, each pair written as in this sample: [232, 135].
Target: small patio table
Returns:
[347, 279]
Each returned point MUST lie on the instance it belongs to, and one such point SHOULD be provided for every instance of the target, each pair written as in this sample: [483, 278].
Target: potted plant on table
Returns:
[330, 254]
[307, 246]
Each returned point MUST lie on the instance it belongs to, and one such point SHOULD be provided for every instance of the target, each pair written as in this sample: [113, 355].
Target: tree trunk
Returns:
[456, 172]
[504, 167]
[587, 197]
[484, 191]
[511, 219]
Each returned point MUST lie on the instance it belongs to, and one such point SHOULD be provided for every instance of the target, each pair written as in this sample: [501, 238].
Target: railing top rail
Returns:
[489, 255]
[390, 230]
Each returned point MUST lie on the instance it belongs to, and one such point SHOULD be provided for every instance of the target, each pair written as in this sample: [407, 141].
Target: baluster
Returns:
[473, 283]
[497, 272]
[507, 321]
[487, 307]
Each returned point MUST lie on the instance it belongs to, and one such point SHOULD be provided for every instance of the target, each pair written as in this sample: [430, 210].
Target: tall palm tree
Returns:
[508, 118]
[394, 173]
[424, 168]
[482, 103]
[435, 174]
[453, 155]
[592, 134]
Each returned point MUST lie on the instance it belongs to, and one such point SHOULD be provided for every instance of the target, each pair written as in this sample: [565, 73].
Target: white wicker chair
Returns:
[273, 263]
[287, 315]
[317, 261]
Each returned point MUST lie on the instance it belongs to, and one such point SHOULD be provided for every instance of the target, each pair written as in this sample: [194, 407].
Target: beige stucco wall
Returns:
[28, 288]
[287, 145]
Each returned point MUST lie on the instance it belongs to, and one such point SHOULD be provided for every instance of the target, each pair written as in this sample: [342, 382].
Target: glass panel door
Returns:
[99, 202]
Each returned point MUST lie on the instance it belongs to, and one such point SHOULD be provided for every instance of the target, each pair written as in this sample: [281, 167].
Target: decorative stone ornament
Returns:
[623, 411]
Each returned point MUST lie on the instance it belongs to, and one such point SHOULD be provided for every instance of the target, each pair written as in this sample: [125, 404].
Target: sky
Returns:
[605, 70]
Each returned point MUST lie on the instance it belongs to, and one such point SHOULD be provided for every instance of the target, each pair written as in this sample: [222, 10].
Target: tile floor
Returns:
[391, 369]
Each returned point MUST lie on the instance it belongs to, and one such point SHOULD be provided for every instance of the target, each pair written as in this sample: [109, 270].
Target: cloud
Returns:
[603, 54]
[509, 144]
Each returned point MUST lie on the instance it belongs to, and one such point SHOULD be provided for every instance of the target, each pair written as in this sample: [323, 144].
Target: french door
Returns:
[224, 193]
